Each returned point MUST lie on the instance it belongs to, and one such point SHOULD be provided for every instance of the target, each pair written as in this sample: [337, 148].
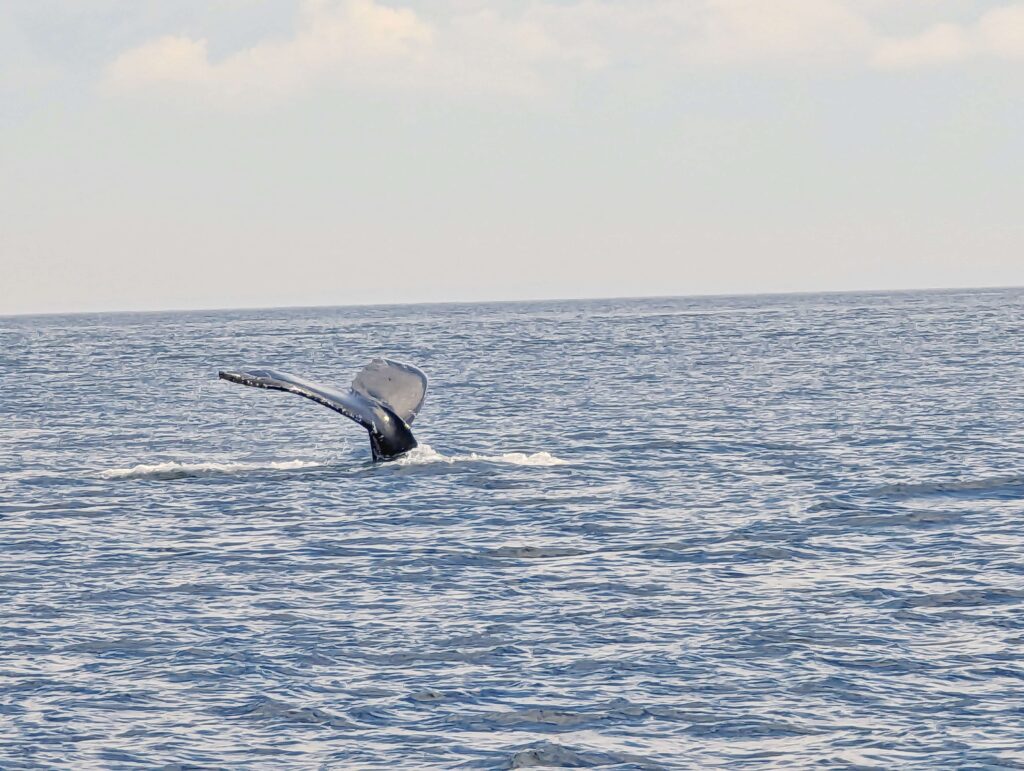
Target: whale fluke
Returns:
[384, 399]
[401, 387]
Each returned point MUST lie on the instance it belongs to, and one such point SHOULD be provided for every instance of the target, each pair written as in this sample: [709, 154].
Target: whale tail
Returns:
[400, 387]
[384, 399]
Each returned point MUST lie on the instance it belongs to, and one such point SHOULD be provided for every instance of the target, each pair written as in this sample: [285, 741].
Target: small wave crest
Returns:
[427, 454]
[551, 755]
[175, 470]
[979, 486]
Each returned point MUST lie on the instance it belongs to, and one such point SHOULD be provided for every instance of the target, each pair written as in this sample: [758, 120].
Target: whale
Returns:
[384, 398]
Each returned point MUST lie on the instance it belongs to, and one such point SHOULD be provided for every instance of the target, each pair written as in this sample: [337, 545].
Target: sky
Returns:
[259, 153]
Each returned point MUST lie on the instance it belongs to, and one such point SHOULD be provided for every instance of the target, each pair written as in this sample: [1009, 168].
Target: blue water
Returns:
[686, 533]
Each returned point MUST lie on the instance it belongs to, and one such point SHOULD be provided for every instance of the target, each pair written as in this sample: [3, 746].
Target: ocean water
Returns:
[736, 532]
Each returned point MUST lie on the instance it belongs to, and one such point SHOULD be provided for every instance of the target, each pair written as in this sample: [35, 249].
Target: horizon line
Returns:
[516, 301]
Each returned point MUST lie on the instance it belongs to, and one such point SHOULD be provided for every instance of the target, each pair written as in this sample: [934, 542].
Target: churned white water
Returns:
[176, 470]
[427, 454]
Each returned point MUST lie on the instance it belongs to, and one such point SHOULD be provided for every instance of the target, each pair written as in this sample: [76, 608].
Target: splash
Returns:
[427, 454]
[422, 455]
[174, 470]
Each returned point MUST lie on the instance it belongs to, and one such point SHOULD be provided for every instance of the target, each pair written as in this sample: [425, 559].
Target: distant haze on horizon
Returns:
[232, 153]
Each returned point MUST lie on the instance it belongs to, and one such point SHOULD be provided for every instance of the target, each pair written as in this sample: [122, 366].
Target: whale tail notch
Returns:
[384, 399]
[400, 387]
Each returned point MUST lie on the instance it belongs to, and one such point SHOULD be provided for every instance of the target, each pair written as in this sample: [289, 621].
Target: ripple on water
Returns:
[689, 533]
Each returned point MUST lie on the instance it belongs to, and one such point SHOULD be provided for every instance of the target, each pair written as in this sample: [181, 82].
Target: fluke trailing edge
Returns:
[384, 399]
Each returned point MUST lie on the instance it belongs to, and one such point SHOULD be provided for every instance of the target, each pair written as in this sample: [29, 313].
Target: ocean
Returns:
[720, 532]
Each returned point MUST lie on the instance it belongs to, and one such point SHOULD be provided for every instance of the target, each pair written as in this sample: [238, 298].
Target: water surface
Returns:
[718, 532]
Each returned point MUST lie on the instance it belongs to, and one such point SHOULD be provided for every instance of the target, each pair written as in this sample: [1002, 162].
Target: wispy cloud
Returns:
[477, 46]
[359, 38]
[794, 30]
[997, 34]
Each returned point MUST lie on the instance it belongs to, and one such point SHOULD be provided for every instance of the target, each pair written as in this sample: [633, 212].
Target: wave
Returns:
[995, 484]
[427, 454]
[549, 755]
[265, 708]
[175, 470]
[422, 455]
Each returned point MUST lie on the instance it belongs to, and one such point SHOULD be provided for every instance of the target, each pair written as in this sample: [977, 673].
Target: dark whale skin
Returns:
[390, 434]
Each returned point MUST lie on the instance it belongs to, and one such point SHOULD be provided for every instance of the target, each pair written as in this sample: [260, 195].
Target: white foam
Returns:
[427, 454]
[424, 454]
[174, 470]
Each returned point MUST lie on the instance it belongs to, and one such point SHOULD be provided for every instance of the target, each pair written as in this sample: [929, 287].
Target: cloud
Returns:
[1000, 32]
[997, 34]
[358, 37]
[368, 43]
[526, 48]
[801, 30]
[476, 46]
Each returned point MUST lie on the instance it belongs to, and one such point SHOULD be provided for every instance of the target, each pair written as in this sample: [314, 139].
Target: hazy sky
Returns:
[216, 153]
